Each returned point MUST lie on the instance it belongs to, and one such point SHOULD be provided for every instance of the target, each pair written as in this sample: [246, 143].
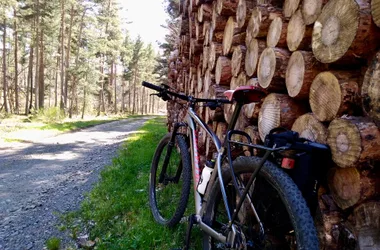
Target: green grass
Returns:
[116, 212]
[74, 125]
[53, 243]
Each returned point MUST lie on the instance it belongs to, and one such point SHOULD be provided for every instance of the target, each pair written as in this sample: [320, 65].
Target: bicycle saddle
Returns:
[246, 94]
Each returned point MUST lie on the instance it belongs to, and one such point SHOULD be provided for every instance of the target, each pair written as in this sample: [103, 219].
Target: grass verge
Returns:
[116, 213]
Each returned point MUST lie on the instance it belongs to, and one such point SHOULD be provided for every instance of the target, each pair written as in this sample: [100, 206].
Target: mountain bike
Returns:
[244, 202]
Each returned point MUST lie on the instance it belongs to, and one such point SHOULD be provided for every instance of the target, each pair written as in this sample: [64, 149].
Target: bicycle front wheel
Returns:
[170, 178]
[285, 217]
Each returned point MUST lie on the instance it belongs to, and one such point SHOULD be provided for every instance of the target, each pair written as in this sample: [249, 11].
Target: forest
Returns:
[74, 55]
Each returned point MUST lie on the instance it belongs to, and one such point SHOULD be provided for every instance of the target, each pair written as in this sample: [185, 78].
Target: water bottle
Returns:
[205, 177]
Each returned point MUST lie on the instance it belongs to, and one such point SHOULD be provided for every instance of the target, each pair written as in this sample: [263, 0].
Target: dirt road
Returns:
[50, 176]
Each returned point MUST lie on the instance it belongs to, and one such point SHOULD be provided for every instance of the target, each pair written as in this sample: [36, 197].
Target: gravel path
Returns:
[50, 176]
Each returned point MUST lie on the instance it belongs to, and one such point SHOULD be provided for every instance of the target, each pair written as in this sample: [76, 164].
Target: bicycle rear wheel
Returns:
[169, 186]
[286, 219]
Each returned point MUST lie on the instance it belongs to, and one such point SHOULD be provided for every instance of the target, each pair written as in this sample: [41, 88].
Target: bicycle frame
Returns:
[222, 150]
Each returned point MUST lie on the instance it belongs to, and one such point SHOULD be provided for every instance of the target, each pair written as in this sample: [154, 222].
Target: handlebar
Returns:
[164, 92]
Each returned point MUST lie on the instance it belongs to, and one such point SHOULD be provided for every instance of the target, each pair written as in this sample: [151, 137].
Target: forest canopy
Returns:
[75, 56]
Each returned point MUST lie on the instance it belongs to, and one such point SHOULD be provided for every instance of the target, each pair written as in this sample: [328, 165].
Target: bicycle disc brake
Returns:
[236, 238]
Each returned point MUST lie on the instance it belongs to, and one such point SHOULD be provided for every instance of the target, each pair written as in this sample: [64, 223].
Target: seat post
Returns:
[235, 116]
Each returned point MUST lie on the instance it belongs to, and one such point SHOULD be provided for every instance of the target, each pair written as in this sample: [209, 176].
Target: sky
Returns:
[145, 16]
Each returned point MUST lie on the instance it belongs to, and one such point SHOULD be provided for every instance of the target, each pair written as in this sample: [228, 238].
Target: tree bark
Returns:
[5, 81]
[353, 140]
[15, 27]
[62, 102]
[204, 12]
[370, 90]
[226, 7]
[41, 74]
[223, 72]
[215, 51]
[67, 63]
[237, 63]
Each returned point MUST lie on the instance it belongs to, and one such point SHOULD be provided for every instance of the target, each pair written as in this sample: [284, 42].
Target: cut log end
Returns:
[371, 90]
[278, 110]
[223, 72]
[353, 140]
[310, 128]
[344, 185]
[375, 10]
[296, 31]
[311, 9]
[335, 30]
[274, 32]
[228, 35]
[295, 74]
[290, 6]
[266, 67]
[325, 96]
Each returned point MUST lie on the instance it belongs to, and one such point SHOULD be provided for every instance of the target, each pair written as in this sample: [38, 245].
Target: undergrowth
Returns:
[116, 213]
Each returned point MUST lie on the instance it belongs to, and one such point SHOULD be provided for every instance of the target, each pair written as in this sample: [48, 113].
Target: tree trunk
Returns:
[223, 72]
[41, 74]
[353, 140]
[348, 36]
[204, 13]
[310, 128]
[260, 21]
[370, 90]
[367, 225]
[243, 12]
[298, 34]
[67, 63]
[290, 6]
[350, 186]
[56, 84]
[115, 85]
[214, 52]
[271, 69]
[277, 33]
[226, 7]
[29, 103]
[254, 50]
[311, 9]
[334, 93]
[278, 110]
[375, 11]
[237, 62]
[218, 22]
[5, 82]
[15, 27]
[300, 73]
[62, 102]
[229, 32]
[37, 45]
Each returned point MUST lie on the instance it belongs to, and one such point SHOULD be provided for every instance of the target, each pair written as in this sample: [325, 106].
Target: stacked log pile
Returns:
[319, 60]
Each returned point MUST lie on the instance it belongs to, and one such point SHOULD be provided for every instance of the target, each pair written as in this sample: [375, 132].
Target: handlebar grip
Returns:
[151, 86]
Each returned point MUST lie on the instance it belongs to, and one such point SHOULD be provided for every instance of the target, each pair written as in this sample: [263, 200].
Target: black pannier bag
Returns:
[306, 162]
